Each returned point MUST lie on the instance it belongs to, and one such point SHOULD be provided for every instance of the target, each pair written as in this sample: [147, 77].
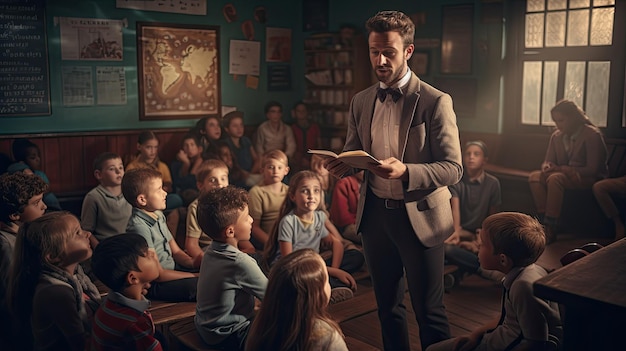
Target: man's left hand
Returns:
[391, 168]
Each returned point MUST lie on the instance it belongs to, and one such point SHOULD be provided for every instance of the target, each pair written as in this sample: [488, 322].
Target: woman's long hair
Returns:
[294, 301]
[271, 246]
[572, 111]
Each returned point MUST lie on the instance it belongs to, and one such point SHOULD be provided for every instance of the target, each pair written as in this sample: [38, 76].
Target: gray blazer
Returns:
[430, 148]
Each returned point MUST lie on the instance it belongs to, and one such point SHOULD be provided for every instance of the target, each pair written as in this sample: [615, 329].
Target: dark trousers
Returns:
[352, 261]
[465, 259]
[178, 290]
[391, 249]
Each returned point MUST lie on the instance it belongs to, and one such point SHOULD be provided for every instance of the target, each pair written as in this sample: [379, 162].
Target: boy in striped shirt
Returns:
[125, 265]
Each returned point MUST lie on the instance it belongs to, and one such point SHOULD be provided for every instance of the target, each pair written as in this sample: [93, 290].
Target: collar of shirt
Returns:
[510, 277]
[477, 180]
[401, 84]
[138, 305]
[148, 217]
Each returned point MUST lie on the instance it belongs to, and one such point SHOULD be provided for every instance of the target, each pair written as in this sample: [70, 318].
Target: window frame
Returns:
[518, 54]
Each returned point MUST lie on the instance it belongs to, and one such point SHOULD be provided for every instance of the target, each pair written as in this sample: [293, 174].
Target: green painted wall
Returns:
[487, 63]
[284, 14]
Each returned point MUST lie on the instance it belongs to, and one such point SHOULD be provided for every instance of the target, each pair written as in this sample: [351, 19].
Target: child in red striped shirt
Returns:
[125, 265]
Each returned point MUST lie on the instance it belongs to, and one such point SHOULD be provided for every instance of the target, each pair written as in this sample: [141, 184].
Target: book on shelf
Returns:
[355, 159]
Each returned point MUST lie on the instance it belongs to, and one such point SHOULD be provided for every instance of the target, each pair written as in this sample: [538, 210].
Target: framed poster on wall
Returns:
[178, 71]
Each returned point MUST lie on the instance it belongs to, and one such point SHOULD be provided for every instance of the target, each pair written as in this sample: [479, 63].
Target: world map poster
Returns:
[178, 71]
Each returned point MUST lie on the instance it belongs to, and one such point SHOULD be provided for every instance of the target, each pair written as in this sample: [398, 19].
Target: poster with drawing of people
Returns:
[91, 39]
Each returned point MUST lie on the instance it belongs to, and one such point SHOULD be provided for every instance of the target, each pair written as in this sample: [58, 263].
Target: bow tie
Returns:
[394, 92]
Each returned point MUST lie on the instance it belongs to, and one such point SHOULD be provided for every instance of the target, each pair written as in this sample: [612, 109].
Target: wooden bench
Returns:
[513, 157]
[184, 336]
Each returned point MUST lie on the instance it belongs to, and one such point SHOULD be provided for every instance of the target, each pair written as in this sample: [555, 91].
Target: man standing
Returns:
[404, 208]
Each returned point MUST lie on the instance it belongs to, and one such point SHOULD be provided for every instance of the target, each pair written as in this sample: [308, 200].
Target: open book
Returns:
[355, 159]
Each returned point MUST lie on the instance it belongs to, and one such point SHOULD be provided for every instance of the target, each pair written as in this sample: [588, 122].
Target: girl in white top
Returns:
[293, 315]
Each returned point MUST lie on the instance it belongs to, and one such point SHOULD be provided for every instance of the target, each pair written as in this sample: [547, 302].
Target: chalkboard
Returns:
[24, 76]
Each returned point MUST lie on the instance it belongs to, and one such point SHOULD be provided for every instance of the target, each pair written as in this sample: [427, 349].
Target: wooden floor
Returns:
[468, 305]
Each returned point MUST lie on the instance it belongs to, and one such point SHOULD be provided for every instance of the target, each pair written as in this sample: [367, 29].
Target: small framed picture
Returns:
[419, 62]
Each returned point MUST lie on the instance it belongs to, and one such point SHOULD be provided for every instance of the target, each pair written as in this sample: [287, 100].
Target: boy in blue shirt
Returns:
[229, 279]
[143, 189]
[474, 198]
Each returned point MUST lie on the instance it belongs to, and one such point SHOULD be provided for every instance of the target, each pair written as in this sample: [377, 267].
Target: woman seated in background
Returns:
[575, 159]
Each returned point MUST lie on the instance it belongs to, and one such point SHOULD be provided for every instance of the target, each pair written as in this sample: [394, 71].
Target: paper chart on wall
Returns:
[111, 85]
[245, 57]
[91, 39]
[188, 7]
[77, 86]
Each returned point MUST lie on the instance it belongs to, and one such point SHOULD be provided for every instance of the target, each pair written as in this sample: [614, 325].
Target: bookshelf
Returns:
[336, 67]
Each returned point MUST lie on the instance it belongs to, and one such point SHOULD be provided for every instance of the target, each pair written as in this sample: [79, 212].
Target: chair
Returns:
[573, 255]
[591, 247]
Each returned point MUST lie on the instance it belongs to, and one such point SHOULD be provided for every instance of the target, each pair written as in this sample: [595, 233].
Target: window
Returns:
[569, 53]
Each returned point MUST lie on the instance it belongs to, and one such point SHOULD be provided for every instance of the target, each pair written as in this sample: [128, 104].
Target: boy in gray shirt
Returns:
[105, 211]
[229, 279]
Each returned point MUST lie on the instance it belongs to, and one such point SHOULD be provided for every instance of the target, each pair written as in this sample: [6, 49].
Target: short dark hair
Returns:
[219, 208]
[230, 116]
[392, 21]
[271, 104]
[135, 183]
[16, 190]
[115, 256]
[19, 147]
[102, 158]
[193, 136]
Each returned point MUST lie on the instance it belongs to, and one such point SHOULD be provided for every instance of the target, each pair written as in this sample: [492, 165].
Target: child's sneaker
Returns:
[340, 294]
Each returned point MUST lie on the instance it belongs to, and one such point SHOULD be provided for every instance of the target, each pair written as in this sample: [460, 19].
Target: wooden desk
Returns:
[592, 292]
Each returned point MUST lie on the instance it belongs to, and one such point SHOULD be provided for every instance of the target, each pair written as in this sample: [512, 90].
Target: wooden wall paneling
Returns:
[52, 161]
[92, 147]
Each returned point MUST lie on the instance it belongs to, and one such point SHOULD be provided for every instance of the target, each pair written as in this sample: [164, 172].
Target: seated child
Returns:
[51, 299]
[236, 175]
[307, 135]
[294, 313]
[126, 266]
[188, 160]
[474, 198]
[27, 152]
[245, 154]
[143, 189]
[511, 243]
[105, 211]
[209, 130]
[20, 202]
[344, 205]
[274, 134]
[229, 279]
[267, 197]
[148, 157]
[212, 174]
[303, 225]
